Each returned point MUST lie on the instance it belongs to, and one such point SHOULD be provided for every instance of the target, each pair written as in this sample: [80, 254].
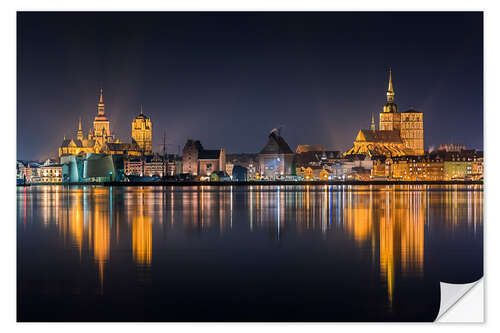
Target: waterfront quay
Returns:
[268, 183]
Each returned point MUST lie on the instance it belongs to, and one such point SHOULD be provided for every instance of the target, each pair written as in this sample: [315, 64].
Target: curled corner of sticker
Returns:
[461, 302]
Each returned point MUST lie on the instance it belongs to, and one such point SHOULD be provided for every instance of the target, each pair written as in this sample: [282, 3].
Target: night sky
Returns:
[227, 79]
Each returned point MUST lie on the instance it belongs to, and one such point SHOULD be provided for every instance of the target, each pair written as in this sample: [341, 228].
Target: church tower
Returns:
[142, 133]
[399, 134]
[390, 118]
[101, 132]
[412, 131]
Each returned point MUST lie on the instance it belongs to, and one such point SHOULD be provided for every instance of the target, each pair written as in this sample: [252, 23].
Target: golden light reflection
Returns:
[100, 237]
[389, 224]
[387, 247]
[358, 217]
[142, 239]
[76, 223]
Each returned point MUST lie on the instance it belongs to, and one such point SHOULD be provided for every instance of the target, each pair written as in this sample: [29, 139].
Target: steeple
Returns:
[372, 127]
[141, 110]
[100, 106]
[79, 134]
[390, 90]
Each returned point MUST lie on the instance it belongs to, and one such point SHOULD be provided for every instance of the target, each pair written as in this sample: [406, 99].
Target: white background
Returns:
[8, 146]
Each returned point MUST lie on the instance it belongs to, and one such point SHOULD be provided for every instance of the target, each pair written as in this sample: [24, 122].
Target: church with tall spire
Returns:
[100, 139]
[101, 132]
[399, 134]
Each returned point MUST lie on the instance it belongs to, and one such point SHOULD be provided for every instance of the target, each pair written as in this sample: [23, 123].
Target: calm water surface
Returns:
[274, 253]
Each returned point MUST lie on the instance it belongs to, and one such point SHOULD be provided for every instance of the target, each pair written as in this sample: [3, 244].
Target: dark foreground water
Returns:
[277, 253]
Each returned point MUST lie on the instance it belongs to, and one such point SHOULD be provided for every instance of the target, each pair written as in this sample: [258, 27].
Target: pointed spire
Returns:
[79, 134]
[100, 105]
[390, 80]
[141, 110]
[390, 90]
[372, 127]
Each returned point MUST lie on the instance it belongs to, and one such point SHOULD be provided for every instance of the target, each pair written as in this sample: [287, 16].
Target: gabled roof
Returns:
[307, 148]
[77, 143]
[276, 145]
[209, 154]
[412, 111]
[65, 142]
[365, 135]
[377, 149]
[142, 116]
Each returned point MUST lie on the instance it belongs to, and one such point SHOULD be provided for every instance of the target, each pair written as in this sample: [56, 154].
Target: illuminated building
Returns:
[198, 161]
[133, 167]
[440, 165]
[245, 160]
[20, 171]
[51, 173]
[219, 176]
[412, 131]
[466, 165]
[173, 165]
[142, 133]
[351, 167]
[154, 166]
[409, 168]
[229, 168]
[305, 173]
[48, 172]
[276, 159]
[378, 143]
[315, 157]
[313, 173]
[32, 171]
[99, 140]
[147, 166]
[101, 133]
[324, 174]
[399, 134]
[121, 148]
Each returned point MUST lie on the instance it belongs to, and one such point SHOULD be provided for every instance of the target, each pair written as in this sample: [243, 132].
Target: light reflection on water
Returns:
[388, 224]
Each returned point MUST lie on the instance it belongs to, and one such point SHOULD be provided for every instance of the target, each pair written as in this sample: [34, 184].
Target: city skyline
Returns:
[319, 108]
[252, 166]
